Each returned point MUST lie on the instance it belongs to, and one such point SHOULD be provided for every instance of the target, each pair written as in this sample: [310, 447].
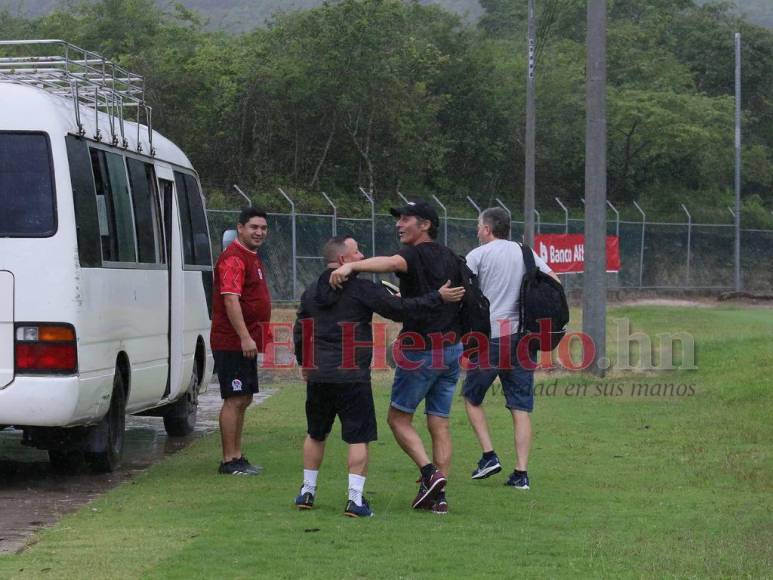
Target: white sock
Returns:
[356, 485]
[310, 481]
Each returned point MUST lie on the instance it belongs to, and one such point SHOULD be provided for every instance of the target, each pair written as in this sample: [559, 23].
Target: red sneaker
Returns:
[429, 489]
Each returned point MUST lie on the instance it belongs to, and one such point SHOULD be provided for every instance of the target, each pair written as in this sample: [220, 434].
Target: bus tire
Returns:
[105, 441]
[180, 420]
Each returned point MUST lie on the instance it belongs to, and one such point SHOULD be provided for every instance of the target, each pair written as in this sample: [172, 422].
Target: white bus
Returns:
[105, 261]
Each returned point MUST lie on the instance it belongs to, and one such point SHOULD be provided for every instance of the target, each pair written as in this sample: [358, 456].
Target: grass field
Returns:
[622, 486]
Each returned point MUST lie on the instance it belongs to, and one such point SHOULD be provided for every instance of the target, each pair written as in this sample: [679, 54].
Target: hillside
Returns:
[245, 14]
[757, 11]
[239, 15]
[235, 15]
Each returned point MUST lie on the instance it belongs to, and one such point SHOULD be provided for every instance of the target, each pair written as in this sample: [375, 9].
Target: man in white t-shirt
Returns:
[499, 266]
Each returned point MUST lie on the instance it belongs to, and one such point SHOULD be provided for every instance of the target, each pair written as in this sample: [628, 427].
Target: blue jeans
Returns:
[517, 382]
[427, 374]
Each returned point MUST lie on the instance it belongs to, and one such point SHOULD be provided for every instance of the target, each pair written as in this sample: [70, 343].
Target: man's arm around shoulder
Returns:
[378, 299]
[377, 264]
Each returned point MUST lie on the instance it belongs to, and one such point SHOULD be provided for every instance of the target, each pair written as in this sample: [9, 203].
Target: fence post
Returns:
[405, 199]
[335, 213]
[445, 219]
[737, 180]
[641, 252]
[475, 205]
[539, 221]
[689, 240]
[295, 248]
[566, 215]
[510, 216]
[369, 197]
[244, 195]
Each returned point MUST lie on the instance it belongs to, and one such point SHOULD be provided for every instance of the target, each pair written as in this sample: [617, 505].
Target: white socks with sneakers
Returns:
[310, 481]
[356, 485]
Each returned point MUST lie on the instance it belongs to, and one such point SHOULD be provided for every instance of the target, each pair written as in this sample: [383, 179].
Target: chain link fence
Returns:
[653, 255]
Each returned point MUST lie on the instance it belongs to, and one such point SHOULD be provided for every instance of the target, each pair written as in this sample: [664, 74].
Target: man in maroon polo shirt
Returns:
[240, 330]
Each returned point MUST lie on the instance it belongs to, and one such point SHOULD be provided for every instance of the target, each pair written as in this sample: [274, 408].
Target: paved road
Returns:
[32, 496]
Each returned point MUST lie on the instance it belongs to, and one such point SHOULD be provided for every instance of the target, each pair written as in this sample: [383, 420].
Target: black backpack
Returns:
[541, 298]
[474, 311]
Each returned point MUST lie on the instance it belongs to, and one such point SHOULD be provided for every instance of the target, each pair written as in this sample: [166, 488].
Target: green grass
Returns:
[621, 487]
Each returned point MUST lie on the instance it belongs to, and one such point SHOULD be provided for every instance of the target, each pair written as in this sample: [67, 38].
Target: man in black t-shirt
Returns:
[428, 355]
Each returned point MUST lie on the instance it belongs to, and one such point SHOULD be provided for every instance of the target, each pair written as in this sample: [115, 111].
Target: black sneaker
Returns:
[518, 480]
[487, 468]
[249, 468]
[304, 501]
[353, 510]
[233, 467]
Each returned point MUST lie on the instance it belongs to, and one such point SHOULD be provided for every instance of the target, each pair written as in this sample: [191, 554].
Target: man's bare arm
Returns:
[234, 311]
[381, 264]
[377, 264]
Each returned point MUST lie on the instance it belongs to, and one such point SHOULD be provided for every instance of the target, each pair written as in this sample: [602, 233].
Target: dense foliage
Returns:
[398, 96]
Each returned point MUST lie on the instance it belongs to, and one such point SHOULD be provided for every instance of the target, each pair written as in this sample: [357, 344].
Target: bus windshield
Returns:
[26, 186]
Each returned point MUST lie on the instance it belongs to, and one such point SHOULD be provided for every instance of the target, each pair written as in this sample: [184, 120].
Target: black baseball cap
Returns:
[420, 209]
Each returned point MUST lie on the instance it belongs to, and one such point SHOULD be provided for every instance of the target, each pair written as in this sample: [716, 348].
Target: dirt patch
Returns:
[746, 298]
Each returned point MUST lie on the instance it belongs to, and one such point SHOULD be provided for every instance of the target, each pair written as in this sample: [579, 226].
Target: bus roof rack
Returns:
[86, 78]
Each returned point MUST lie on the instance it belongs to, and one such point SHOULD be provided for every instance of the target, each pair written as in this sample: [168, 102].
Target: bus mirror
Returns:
[228, 237]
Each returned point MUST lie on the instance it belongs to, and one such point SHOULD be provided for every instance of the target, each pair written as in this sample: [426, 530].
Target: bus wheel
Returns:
[180, 420]
[104, 445]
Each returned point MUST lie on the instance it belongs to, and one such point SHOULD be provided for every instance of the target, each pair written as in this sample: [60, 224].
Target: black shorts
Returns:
[238, 375]
[352, 402]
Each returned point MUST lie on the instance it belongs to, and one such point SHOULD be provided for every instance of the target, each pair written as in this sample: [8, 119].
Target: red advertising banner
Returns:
[564, 253]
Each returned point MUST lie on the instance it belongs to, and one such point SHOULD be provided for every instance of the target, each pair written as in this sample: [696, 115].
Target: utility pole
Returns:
[594, 296]
[737, 162]
[531, 129]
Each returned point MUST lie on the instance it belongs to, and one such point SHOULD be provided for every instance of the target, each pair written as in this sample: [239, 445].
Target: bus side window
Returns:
[147, 215]
[201, 248]
[98, 165]
[150, 176]
[86, 219]
[185, 219]
[194, 221]
[166, 189]
[114, 207]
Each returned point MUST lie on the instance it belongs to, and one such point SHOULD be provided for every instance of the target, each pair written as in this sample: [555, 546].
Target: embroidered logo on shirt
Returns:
[260, 273]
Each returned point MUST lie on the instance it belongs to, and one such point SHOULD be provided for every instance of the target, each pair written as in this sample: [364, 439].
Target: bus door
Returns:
[175, 271]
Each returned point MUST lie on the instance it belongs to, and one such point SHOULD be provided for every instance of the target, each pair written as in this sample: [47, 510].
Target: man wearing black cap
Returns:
[428, 356]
